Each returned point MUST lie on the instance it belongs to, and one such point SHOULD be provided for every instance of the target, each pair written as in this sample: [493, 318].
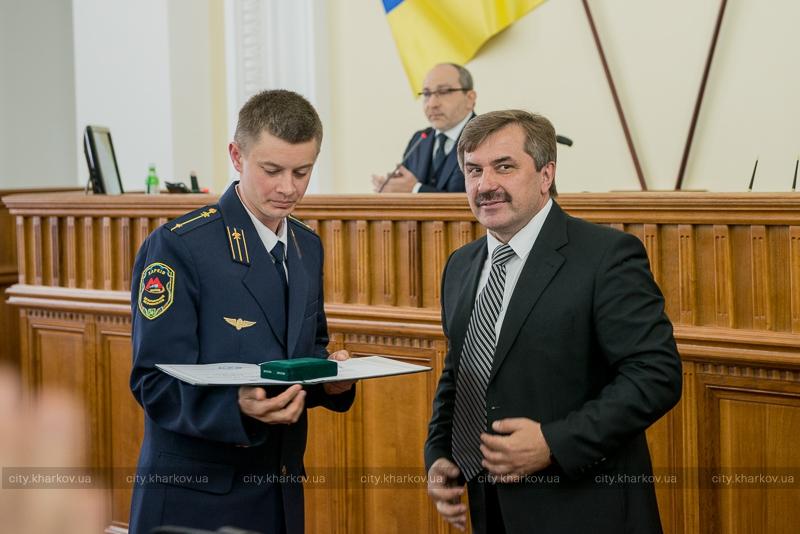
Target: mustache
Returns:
[492, 196]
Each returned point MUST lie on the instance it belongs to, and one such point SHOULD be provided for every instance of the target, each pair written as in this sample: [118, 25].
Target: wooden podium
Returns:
[729, 265]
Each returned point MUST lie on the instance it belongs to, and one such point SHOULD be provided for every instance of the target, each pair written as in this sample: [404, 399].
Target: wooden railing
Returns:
[728, 264]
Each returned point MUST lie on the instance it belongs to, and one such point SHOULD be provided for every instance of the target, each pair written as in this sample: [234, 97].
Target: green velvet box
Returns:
[298, 369]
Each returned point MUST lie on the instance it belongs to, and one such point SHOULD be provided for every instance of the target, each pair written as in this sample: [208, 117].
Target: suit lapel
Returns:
[542, 264]
[418, 161]
[260, 278]
[466, 299]
[298, 291]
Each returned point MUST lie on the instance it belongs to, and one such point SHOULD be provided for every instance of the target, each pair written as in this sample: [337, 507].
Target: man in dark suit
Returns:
[429, 162]
[560, 354]
[239, 281]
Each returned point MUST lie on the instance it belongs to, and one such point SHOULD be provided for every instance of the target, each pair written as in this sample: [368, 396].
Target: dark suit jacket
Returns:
[419, 161]
[585, 349]
[201, 459]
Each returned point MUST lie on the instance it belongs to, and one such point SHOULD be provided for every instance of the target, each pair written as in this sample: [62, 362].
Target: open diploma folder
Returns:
[249, 374]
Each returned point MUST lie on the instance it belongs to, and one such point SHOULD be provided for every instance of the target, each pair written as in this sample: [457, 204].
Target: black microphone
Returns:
[408, 152]
[753, 177]
[561, 140]
[195, 185]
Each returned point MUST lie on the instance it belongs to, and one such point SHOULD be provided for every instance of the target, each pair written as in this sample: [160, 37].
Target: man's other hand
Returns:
[402, 181]
[520, 449]
[335, 388]
[445, 492]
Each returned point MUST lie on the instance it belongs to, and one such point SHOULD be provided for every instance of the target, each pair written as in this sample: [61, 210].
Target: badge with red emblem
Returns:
[156, 290]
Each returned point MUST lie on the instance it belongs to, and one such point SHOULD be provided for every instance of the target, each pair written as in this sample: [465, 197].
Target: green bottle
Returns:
[151, 184]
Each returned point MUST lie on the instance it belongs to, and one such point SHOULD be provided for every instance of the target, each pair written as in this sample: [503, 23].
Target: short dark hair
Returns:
[464, 77]
[284, 114]
[540, 136]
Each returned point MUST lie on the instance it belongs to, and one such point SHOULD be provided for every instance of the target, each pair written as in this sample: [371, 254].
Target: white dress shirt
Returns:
[521, 243]
[268, 237]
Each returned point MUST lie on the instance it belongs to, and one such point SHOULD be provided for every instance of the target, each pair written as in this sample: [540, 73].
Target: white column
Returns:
[274, 44]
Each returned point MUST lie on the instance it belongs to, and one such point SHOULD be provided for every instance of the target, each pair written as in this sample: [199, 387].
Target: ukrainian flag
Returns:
[428, 32]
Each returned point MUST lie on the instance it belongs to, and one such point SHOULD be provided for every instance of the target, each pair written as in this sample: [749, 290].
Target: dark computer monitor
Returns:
[102, 161]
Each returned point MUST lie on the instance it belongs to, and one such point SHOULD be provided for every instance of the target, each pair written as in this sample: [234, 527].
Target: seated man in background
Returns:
[429, 162]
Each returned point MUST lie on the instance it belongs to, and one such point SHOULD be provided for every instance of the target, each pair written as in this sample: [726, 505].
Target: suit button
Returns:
[283, 470]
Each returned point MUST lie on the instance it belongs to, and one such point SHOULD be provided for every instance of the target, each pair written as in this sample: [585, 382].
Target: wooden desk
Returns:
[729, 265]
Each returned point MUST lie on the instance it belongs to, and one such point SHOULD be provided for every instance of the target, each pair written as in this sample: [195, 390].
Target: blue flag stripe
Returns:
[389, 5]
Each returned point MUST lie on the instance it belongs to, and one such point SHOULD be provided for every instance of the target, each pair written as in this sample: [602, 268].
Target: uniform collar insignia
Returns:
[238, 244]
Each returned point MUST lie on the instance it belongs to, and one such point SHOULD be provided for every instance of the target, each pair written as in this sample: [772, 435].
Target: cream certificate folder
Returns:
[249, 374]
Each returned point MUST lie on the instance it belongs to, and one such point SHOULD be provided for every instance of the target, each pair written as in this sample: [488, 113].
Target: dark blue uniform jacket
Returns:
[203, 291]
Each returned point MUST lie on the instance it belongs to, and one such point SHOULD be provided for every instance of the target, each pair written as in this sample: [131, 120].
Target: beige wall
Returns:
[548, 63]
[37, 95]
[166, 101]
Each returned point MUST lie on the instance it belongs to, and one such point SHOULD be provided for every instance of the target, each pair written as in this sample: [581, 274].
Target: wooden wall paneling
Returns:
[387, 264]
[87, 243]
[335, 267]
[22, 248]
[749, 417]
[760, 278]
[394, 426]
[434, 245]
[687, 510]
[779, 276]
[141, 230]
[794, 279]
[723, 281]
[120, 419]
[60, 354]
[382, 263]
[49, 252]
[462, 234]
[334, 448]
[34, 239]
[742, 276]
[106, 253]
[362, 254]
[408, 266]
[122, 259]
[687, 274]
[652, 245]
[705, 283]
[70, 252]
[9, 275]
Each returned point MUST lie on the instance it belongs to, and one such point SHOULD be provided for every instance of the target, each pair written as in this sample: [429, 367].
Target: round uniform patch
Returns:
[156, 290]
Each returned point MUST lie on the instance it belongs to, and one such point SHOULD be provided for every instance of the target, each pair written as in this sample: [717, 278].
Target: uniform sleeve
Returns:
[635, 339]
[166, 331]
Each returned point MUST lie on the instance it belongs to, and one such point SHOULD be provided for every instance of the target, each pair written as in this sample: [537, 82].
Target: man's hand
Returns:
[335, 388]
[402, 181]
[285, 408]
[445, 494]
[520, 451]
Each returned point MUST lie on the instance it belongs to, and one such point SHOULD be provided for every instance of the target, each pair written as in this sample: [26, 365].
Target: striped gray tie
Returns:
[474, 368]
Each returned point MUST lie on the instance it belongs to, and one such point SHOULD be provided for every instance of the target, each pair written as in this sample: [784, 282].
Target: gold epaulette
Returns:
[194, 219]
[301, 224]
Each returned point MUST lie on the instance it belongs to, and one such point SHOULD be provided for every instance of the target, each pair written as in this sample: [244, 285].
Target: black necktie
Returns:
[439, 155]
[278, 254]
